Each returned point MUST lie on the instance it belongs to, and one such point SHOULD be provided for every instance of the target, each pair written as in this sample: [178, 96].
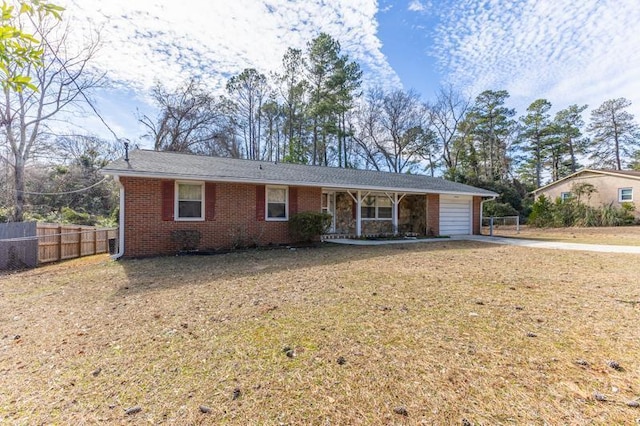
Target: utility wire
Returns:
[66, 192]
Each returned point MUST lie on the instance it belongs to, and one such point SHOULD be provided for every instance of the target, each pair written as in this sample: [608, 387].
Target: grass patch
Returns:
[339, 334]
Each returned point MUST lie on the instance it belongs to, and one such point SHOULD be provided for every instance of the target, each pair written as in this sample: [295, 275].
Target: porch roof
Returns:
[171, 165]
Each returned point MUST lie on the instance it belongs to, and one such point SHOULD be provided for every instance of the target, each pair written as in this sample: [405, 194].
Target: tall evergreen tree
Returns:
[493, 129]
[249, 90]
[614, 133]
[567, 141]
[535, 129]
[333, 80]
[293, 90]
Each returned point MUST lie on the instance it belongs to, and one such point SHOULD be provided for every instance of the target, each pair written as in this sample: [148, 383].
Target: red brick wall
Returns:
[433, 214]
[234, 223]
[476, 215]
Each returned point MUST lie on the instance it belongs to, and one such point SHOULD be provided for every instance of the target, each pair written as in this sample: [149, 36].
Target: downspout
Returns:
[482, 209]
[120, 252]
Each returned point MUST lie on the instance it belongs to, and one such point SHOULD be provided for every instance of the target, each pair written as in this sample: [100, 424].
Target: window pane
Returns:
[189, 209]
[369, 201]
[276, 210]
[368, 212]
[384, 212]
[384, 201]
[189, 192]
[325, 200]
[626, 194]
[277, 195]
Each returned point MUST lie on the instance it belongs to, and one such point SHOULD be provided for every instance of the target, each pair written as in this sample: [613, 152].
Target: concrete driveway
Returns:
[550, 244]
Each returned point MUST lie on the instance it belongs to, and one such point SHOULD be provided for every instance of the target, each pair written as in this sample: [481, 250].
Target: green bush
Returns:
[541, 213]
[573, 212]
[306, 226]
[493, 208]
[77, 218]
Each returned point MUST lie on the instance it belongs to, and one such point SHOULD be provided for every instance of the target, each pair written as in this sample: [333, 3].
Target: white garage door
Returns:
[455, 215]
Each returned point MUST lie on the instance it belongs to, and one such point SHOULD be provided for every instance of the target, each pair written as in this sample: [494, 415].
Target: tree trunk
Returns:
[18, 212]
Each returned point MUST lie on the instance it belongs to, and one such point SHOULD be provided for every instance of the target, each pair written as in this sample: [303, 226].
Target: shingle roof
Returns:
[633, 174]
[171, 165]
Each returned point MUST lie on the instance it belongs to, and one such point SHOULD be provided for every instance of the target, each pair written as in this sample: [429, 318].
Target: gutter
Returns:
[120, 252]
[482, 209]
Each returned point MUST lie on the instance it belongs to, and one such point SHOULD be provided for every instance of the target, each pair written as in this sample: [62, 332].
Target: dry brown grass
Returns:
[617, 235]
[447, 330]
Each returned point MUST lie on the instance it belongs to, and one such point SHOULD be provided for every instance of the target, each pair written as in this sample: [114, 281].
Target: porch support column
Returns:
[394, 215]
[358, 215]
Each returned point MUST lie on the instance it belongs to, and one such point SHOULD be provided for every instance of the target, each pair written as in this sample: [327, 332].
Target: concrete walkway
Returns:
[550, 244]
[497, 240]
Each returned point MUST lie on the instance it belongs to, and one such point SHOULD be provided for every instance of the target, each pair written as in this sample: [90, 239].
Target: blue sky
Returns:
[567, 51]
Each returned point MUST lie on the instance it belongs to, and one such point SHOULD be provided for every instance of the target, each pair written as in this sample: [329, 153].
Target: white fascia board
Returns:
[285, 182]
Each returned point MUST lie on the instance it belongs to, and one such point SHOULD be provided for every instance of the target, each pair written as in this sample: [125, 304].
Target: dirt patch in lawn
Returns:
[439, 333]
[617, 235]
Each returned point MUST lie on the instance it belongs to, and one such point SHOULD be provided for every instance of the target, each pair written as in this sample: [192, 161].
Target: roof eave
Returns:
[119, 173]
[572, 175]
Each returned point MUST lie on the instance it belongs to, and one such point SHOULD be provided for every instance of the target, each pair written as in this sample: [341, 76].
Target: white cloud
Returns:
[566, 51]
[416, 6]
[148, 40]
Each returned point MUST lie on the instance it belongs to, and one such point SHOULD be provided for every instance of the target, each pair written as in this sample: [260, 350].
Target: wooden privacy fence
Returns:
[25, 244]
[60, 242]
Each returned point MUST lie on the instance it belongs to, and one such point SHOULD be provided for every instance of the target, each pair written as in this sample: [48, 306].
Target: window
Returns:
[565, 196]
[625, 195]
[376, 207]
[189, 201]
[368, 207]
[277, 208]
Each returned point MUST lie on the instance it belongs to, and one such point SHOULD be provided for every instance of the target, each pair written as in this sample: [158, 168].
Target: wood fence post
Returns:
[59, 250]
[79, 242]
[95, 240]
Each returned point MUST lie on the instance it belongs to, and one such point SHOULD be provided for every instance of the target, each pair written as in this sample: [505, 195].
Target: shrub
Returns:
[493, 208]
[306, 226]
[77, 218]
[541, 212]
[573, 212]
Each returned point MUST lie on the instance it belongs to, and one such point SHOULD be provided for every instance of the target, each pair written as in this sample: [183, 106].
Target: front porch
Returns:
[362, 214]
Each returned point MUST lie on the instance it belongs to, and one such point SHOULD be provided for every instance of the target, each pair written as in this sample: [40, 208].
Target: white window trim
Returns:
[176, 204]
[567, 197]
[620, 200]
[266, 204]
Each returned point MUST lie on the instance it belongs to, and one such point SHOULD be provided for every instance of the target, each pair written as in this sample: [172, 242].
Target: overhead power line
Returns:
[65, 192]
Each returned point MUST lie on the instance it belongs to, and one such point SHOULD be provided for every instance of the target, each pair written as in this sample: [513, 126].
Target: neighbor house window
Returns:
[564, 196]
[625, 195]
[277, 208]
[189, 201]
[376, 207]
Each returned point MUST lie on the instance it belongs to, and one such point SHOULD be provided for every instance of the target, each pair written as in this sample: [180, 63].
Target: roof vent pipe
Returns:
[126, 150]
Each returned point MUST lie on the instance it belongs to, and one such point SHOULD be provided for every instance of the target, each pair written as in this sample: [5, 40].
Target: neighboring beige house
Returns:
[612, 187]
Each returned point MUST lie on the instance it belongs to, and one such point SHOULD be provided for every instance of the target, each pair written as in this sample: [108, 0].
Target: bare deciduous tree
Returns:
[62, 81]
[187, 121]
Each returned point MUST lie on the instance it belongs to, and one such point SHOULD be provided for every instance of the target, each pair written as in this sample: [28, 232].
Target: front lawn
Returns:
[435, 333]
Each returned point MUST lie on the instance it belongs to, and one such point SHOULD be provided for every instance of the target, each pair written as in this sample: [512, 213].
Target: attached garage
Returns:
[456, 212]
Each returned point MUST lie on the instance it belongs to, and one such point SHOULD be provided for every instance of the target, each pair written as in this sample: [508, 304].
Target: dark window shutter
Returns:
[293, 201]
[260, 202]
[354, 210]
[210, 200]
[168, 194]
